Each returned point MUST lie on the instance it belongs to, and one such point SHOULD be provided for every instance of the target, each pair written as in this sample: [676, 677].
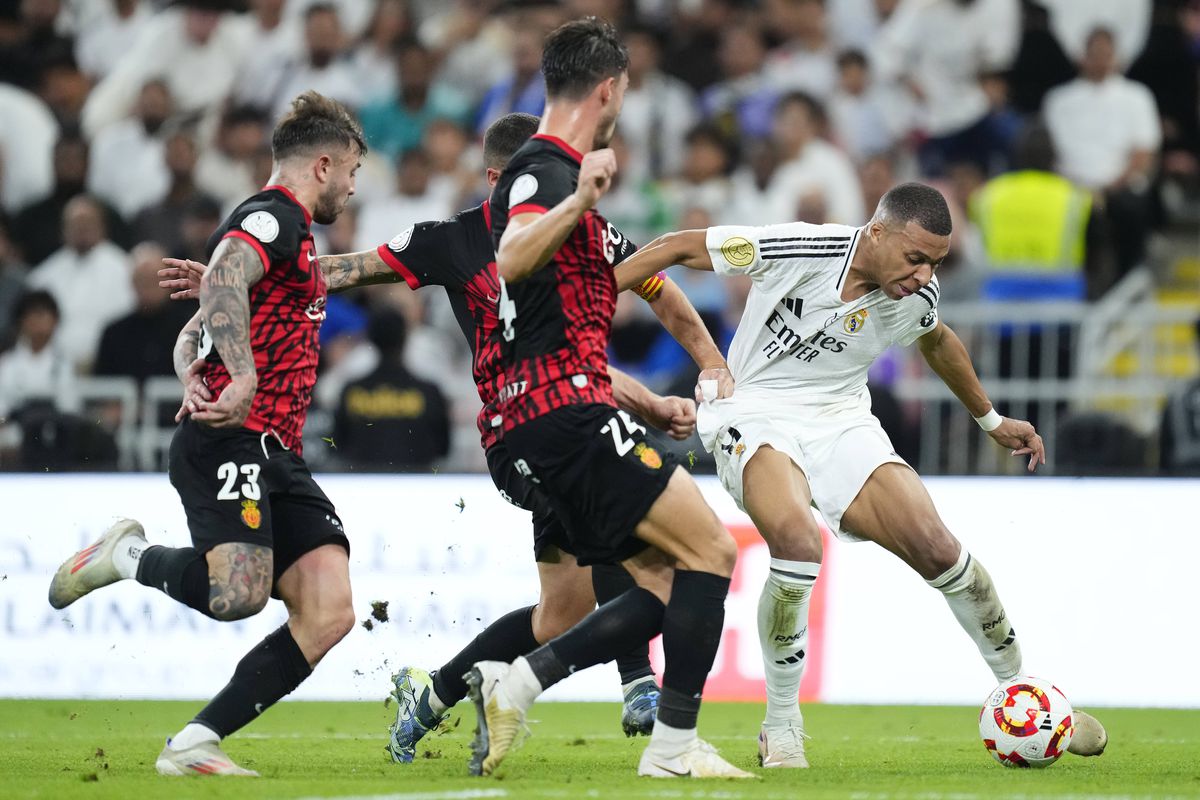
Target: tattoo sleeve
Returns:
[239, 579]
[187, 346]
[356, 269]
[225, 304]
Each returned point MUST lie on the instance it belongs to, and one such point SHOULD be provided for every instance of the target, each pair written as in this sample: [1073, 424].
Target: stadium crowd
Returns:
[1064, 134]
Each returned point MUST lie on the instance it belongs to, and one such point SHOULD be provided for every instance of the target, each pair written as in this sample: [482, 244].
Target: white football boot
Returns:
[500, 719]
[206, 758]
[92, 567]
[1090, 738]
[699, 759]
[782, 746]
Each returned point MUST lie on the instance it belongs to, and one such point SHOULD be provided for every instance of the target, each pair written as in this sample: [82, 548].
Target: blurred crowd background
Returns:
[1064, 133]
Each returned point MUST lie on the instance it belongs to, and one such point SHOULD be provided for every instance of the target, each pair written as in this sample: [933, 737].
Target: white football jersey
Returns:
[797, 337]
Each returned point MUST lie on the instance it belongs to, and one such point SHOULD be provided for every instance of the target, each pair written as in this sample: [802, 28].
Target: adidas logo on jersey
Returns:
[794, 305]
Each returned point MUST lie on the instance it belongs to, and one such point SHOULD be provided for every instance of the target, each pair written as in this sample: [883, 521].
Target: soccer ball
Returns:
[1026, 722]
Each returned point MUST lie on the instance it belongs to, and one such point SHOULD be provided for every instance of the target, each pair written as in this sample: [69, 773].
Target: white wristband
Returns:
[990, 421]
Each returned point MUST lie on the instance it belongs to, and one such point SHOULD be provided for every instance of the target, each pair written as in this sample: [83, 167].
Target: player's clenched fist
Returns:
[595, 176]
[675, 415]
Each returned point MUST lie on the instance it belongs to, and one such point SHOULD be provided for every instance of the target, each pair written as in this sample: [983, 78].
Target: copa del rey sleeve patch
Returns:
[262, 225]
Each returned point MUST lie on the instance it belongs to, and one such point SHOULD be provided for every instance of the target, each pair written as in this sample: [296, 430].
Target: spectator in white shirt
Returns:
[89, 278]
[278, 42]
[817, 182]
[939, 49]
[195, 49]
[805, 60]
[127, 168]
[323, 67]
[418, 199]
[28, 132]
[107, 30]
[1107, 133]
[658, 110]
[863, 118]
[1073, 21]
[35, 368]
[225, 169]
[704, 181]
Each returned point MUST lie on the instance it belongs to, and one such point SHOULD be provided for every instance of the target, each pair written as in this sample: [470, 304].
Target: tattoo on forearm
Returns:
[239, 579]
[225, 306]
[355, 269]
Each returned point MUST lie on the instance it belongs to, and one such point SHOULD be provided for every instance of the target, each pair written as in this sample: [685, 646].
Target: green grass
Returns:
[68, 749]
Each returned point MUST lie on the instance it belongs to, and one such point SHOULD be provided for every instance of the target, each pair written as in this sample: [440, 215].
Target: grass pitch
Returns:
[70, 749]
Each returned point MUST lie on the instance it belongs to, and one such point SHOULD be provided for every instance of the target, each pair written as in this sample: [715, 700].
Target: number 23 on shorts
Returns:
[228, 472]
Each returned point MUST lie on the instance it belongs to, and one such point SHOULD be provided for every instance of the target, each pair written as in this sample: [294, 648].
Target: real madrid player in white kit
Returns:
[825, 302]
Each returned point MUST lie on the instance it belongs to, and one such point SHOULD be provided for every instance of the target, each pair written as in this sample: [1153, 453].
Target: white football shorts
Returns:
[837, 446]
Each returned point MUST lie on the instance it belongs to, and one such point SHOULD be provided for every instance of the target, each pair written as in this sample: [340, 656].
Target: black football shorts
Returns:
[240, 486]
[517, 489]
[600, 470]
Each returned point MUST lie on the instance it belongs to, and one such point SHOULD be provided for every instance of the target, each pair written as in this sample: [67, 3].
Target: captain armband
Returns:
[651, 288]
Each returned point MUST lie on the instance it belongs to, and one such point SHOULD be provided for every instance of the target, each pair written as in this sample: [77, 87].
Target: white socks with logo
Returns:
[972, 597]
[128, 555]
[193, 734]
[783, 635]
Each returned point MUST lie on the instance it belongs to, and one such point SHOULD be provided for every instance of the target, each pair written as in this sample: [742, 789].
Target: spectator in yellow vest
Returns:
[1034, 225]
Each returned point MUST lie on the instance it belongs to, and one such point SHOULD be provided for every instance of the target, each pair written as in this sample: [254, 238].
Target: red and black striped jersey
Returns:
[457, 255]
[287, 306]
[556, 323]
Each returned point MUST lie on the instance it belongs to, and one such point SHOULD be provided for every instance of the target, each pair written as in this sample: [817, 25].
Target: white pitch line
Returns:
[464, 794]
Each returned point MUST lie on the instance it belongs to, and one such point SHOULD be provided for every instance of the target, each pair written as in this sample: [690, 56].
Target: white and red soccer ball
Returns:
[1026, 722]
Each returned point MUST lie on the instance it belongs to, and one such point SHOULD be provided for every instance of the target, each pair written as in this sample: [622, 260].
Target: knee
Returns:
[228, 605]
[723, 555]
[939, 550]
[794, 538]
[554, 616]
[326, 626]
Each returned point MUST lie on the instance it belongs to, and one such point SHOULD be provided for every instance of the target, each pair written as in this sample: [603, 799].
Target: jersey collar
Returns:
[487, 213]
[566, 148]
[288, 193]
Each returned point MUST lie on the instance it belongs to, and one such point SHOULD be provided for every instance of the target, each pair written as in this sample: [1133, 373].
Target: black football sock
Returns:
[180, 572]
[691, 633]
[616, 627]
[610, 581]
[265, 675]
[503, 640]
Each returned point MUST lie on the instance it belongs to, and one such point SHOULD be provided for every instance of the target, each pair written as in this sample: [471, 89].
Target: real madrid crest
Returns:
[855, 322]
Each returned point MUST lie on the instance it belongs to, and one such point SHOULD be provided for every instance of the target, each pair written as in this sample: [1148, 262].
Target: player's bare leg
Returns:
[777, 497]
[316, 590]
[894, 510]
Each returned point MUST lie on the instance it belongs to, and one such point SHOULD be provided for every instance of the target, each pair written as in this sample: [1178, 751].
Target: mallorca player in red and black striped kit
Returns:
[457, 254]
[260, 525]
[619, 498]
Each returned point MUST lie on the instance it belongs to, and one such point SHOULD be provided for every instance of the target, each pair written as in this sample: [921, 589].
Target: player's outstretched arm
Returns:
[687, 248]
[356, 269]
[946, 356]
[682, 321]
[182, 275]
[531, 239]
[190, 368]
[675, 415]
[225, 310]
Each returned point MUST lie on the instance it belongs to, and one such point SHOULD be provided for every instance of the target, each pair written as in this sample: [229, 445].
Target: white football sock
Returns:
[522, 686]
[193, 734]
[672, 741]
[976, 605]
[783, 635]
[128, 555]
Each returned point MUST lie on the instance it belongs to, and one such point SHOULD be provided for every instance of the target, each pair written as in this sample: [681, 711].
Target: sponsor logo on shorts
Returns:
[738, 251]
[335, 522]
[647, 455]
[251, 515]
[855, 322]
